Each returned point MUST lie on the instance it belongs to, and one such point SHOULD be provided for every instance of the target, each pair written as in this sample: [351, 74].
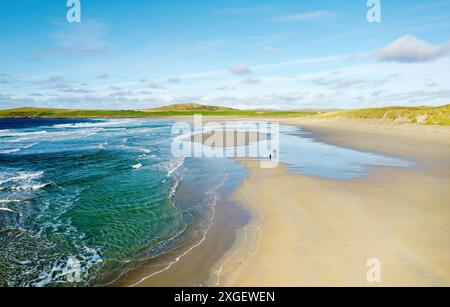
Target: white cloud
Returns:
[347, 83]
[409, 49]
[226, 88]
[251, 81]
[173, 80]
[240, 69]
[155, 86]
[103, 76]
[306, 16]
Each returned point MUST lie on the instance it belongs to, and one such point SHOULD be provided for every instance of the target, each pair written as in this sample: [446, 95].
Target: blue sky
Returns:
[246, 54]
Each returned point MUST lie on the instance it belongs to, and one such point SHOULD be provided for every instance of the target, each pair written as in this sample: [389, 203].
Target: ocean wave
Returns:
[143, 130]
[173, 165]
[20, 134]
[25, 187]
[10, 140]
[101, 145]
[8, 151]
[93, 124]
[14, 150]
[174, 188]
[9, 201]
[7, 210]
[53, 135]
[74, 270]
[18, 214]
[22, 176]
[134, 148]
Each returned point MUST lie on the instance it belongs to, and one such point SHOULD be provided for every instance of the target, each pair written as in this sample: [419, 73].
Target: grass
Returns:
[412, 115]
[68, 113]
[188, 107]
[420, 115]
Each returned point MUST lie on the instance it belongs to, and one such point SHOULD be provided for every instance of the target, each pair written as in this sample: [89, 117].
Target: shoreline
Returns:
[241, 253]
[189, 266]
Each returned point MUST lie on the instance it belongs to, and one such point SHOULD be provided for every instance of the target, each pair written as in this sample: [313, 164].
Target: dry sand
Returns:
[312, 231]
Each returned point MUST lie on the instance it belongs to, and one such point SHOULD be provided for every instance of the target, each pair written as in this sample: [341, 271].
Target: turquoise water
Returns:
[82, 202]
[304, 155]
[90, 196]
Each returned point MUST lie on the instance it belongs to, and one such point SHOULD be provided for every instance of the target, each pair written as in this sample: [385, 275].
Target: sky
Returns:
[249, 54]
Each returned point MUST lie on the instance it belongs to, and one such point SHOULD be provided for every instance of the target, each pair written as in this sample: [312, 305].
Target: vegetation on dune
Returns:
[414, 115]
[188, 107]
[161, 112]
[420, 115]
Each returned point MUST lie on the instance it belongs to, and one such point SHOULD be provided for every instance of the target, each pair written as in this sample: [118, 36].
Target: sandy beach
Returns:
[309, 231]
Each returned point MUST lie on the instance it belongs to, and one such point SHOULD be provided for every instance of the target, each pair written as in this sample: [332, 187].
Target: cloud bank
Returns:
[409, 49]
[240, 69]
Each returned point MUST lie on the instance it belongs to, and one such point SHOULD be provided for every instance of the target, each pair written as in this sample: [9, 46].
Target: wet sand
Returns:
[309, 231]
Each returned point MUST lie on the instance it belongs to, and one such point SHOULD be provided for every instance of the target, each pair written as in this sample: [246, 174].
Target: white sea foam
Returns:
[7, 210]
[144, 150]
[54, 135]
[8, 151]
[14, 150]
[134, 148]
[174, 165]
[137, 166]
[11, 211]
[93, 124]
[143, 130]
[174, 188]
[22, 176]
[10, 133]
[60, 271]
[9, 201]
[25, 187]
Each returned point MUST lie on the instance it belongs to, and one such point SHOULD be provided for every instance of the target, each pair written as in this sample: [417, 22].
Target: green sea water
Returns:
[83, 202]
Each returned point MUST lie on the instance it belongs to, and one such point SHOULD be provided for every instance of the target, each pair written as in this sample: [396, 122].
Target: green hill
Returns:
[188, 107]
[420, 115]
[176, 110]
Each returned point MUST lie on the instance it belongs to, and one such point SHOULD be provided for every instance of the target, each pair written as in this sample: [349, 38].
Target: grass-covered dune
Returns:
[414, 115]
[161, 112]
[419, 115]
